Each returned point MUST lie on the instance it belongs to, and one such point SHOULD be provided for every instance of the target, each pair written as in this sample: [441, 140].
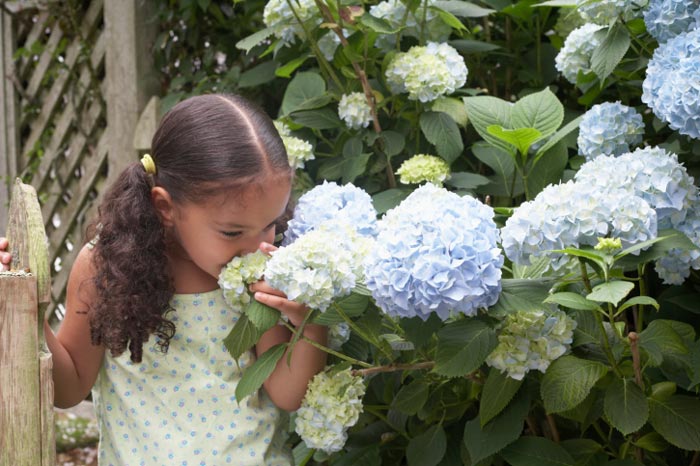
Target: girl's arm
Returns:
[76, 361]
[287, 383]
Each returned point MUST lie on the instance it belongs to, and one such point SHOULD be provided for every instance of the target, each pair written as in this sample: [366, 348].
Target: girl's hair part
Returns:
[204, 146]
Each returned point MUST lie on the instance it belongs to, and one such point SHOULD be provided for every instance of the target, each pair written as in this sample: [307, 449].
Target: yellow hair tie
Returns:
[148, 164]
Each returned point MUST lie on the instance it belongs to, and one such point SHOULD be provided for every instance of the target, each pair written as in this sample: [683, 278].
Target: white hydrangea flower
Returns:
[421, 168]
[279, 17]
[238, 274]
[577, 51]
[338, 335]
[354, 110]
[605, 12]
[395, 13]
[426, 73]
[311, 272]
[332, 404]
[298, 150]
[531, 340]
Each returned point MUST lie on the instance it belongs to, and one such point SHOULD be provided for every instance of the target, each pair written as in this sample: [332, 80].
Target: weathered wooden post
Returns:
[26, 387]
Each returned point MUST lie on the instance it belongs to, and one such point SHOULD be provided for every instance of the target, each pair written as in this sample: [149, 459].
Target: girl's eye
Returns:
[231, 234]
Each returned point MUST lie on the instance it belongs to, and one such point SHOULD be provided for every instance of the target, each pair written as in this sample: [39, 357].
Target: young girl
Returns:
[145, 318]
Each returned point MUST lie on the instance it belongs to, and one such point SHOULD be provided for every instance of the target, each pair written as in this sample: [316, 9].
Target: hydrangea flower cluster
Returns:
[604, 12]
[238, 274]
[609, 128]
[531, 340]
[329, 201]
[568, 19]
[354, 110]
[577, 51]
[575, 214]
[666, 19]
[338, 335]
[298, 150]
[394, 12]
[278, 16]
[426, 73]
[332, 404]
[671, 87]
[675, 266]
[436, 252]
[651, 173]
[310, 272]
[423, 167]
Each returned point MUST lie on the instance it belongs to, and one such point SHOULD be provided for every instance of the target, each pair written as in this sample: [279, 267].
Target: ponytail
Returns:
[132, 281]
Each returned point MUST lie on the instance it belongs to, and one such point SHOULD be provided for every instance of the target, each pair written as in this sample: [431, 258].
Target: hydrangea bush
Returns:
[500, 227]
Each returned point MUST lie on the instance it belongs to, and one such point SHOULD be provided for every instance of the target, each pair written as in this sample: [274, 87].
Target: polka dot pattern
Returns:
[180, 408]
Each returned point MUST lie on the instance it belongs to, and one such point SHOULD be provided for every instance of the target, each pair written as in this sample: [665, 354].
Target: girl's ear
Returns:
[164, 205]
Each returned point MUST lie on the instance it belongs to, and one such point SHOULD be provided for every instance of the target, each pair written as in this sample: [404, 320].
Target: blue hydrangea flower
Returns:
[577, 51]
[609, 128]
[675, 267]
[653, 174]
[672, 84]
[531, 340]
[575, 214]
[666, 19]
[605, 12]
[329, 201]
[436, 252]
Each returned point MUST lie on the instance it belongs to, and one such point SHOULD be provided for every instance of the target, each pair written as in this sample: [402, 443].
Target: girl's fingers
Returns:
[263, 287]
[267, 248]
[3, 243]
[291, 309]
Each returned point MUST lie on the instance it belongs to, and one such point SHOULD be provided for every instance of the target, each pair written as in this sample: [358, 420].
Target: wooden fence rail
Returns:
[26, 385]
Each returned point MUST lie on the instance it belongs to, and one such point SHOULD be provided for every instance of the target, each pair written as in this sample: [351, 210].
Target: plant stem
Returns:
[394, 368]
[696, 459]
[359, 331]
[318, 345]
[636, 365]
[639, 322]
[584, 276]
[606, 344]
[385, 419]
[553, 428]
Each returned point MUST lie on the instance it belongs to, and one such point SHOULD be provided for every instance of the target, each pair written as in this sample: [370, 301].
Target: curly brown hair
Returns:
[203, 146]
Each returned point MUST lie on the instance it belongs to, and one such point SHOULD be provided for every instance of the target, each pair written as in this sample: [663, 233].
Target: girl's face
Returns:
[212, 232]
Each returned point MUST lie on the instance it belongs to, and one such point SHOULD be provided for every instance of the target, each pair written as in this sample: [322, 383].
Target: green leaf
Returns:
[556, 3]
[536, 451]
[254, 39]
[364, 456]
[378, 25]
[613, 47]
[462, 9]
[466, 181]
[353, 305]
[639, 301]
[302, 88]
[463, 347]
[568, 381]
[450, 19]
[572, 301]
[260, 74]
[503, 165]
[428, 448]
[255, 375]
[411, 398]
[483, 442]
[418, 331]
[549, 170]
[677, 420]
[354, 166]
[286, 70]
[442, 131]
[453, 107]
[540, 110]
[611, 292]
[498, 390]
[556, 137]
[585, 452]
[521, 295]
[389, 199]
[323, 118]
[626, 406]
[484, 111]
[660, 340]
[652, 441]
[242, 337]
[586, 331]
[468, 47]
[391, 142]
[664, 242]
[262, 316]
[521, 138]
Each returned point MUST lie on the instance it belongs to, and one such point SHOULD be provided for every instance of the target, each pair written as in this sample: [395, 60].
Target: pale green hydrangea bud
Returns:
[238, 274]
[332, 404]
[298, 150]
[354, 110]
[531, 340]
[338, 335]
[423, 167]
[608, 245]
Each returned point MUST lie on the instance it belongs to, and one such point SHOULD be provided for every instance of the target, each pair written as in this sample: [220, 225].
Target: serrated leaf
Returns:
[612, 48]
[540, 110]
[242, 337]
[322, 118]
[428, 448]
[483, 442]
[256, 374]
[286, 70]
[451, 106]
[519, 294]
[549, 170]
[639, 301]
[626, 406]
[463, 347]
[660, 340]
[610, 292]
[652, 441]
[418, 331]
[442, 132]
[262, 316]
[585, 452]
[560, 134]
[389, 199]
[303, 87]
[539, 451]
[572, 301]
[254, 39]
[520, 138]
[411, 398]
[498, 390]
[484, 111]
[568, 381]
[378, 24]
[677, 420]
[462, 8]
[586, 331]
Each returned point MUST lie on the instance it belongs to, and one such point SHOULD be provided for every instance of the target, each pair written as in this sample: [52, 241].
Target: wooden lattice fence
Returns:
[76, 75]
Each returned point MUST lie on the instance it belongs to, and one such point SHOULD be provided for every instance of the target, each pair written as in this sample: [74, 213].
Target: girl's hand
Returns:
[265, 294]
[5, 257]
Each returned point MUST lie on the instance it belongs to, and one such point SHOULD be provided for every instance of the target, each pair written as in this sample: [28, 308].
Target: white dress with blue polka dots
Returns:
[179, 408]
